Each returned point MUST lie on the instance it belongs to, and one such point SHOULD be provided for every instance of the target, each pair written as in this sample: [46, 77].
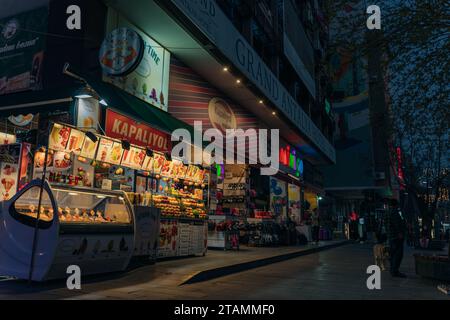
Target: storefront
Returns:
[106, 135]
[102, 139]
[247, 208]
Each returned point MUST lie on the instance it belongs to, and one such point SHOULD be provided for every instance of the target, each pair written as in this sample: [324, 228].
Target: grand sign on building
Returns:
[211, 20]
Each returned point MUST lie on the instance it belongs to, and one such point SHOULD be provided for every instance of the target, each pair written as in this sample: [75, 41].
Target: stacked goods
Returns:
[193, 208]
[169, 206]
[172, 206]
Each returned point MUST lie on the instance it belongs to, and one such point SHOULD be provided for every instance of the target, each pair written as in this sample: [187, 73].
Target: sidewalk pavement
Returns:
[222, 263]
[165, 276]
[335, 274]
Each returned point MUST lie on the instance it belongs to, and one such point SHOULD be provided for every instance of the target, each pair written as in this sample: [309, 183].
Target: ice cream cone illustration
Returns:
[7, 183]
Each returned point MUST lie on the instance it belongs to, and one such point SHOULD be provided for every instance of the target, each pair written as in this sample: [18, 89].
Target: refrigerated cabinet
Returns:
[92, 229]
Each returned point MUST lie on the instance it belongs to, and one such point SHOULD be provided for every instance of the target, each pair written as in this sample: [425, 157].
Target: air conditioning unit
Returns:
[380, 175]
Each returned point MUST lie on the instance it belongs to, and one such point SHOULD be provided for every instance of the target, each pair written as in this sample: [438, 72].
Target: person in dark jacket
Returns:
[396, 229]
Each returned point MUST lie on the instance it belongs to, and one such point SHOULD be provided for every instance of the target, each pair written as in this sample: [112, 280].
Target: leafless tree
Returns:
[415, 40]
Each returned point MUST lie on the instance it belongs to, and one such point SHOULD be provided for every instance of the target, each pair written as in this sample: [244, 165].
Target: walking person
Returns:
[396, 228]
[354, 217]
[315, 225]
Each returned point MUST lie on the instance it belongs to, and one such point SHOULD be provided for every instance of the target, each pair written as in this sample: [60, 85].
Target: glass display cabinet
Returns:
[93, 229]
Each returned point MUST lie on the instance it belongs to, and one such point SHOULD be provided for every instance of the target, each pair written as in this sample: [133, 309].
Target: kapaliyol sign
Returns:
[120, 126]
[211, 20]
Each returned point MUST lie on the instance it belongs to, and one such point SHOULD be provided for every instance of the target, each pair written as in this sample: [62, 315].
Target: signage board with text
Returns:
[120, 126]
[22, 51]
[213, 22]
[142, 68]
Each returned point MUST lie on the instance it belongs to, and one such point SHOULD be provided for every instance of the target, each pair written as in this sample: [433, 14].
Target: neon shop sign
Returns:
[289, 157]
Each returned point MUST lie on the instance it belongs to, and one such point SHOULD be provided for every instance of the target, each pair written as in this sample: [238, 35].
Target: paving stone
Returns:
[339, 273]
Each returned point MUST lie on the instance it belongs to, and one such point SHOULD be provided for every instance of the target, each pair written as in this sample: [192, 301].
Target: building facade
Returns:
[231, 64]
[362, 178]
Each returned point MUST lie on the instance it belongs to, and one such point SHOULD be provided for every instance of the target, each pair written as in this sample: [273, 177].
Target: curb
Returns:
[210, 274]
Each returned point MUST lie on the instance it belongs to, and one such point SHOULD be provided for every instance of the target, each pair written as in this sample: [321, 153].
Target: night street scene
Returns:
[211, 152]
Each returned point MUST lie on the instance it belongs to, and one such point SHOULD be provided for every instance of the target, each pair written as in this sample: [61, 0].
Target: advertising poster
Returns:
[88, 111]
[75, 143]
[133, 158]
[168, 238]
[182, 169]
[21, 51]
[9, 177]
[59, 136]
[167, 168]
[294, 202]
[89, 148]
[9, 169]
[84, 170]
[148, 163]
[104, 149]
[26, 158]
[39, 162]
[61, 161]
[149, 80]
[235, 181]
[158, 162]
[107, 184]
[141, 184]
[6, 138]
[115, 154]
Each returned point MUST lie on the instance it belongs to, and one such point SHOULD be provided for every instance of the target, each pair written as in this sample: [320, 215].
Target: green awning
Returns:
[137, 108]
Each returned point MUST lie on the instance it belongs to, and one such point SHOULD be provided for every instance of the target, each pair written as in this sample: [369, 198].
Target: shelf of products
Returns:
[169, 205]
[179, 207]
[223, 232]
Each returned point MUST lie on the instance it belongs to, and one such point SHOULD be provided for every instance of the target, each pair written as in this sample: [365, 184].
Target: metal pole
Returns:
[36, 226]
[209, 194]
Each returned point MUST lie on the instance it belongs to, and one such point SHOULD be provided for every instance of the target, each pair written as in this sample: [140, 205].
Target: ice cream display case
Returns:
[89, 228]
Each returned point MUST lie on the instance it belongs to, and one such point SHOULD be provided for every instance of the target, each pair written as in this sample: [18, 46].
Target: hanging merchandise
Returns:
[278, 198]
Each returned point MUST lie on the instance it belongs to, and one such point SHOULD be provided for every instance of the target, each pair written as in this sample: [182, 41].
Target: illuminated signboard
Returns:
[135, 63]
[290, 158]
